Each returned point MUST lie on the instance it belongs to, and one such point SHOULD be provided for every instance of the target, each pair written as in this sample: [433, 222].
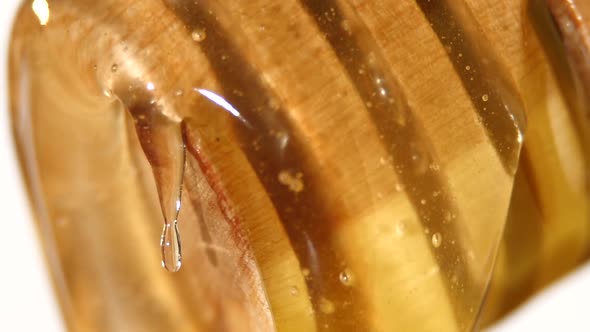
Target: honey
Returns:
[305, 165]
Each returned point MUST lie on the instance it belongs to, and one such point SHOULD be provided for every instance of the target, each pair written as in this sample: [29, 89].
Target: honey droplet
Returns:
[171, 249]
[163, 145]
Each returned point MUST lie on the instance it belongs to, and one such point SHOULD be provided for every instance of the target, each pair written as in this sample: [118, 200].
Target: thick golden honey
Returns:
[299, 165]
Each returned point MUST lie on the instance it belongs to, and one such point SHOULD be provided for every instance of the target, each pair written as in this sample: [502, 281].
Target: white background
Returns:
[26, 298]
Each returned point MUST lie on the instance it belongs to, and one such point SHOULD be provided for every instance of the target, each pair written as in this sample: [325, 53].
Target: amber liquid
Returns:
[308, 172]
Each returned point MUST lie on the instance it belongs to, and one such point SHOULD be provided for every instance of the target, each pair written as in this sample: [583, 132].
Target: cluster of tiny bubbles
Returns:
[345, 25]
[294, 291]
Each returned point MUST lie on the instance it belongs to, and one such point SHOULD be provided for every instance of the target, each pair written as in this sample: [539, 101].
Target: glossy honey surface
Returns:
[299, 165]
